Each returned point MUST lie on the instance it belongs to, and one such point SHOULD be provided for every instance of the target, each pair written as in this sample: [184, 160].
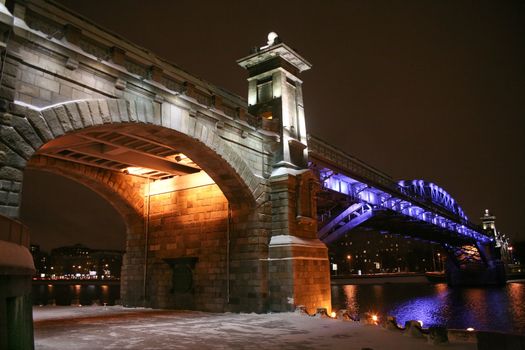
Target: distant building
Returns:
[108, 262]
[368, 252]
[41, 260]
[80, 262]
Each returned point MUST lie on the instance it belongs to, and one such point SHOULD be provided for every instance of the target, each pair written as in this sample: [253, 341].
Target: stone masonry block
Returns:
[7, 93]
[85, 113]
[11, 69]
[39, 125]
[47, 84]
[6, 119]
[10, 211]
[132, 111]
[67, 123]
[52, 120]
[94, 111]
[123, 109]
[140, 110]
[9, 157]
[4, 197]
[10, 173]
[66, 91]
[13, 199]
[9, 136]
[113, 110]
[74, 113]
[104, 111]
[149, 112]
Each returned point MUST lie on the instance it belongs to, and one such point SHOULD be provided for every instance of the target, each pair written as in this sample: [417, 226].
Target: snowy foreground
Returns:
[115, 327]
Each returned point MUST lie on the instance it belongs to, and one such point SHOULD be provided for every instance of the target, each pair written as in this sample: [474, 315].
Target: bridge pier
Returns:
[298, 265]
[487, 270]
[476, 275]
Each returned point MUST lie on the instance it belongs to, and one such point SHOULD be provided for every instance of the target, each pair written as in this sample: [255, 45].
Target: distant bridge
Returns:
[423, 206]
[354, 194]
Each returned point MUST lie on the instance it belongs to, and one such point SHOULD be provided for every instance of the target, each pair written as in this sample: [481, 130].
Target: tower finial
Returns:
[272, 38]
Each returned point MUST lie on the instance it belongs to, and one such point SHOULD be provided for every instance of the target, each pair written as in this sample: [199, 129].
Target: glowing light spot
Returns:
[133, 170]
[375, 318]
[333, 314]
[420, 323]
[470, 329]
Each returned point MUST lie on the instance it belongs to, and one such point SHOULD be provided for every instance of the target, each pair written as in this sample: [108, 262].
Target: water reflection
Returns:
[75, 294]
[497, 308]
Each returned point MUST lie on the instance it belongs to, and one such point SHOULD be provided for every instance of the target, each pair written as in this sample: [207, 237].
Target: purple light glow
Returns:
[418, 189]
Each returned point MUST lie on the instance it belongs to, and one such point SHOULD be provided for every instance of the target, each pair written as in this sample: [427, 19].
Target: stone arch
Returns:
[26, 129]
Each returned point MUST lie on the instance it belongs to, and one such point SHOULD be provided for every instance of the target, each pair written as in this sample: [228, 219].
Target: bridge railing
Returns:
[337, 158]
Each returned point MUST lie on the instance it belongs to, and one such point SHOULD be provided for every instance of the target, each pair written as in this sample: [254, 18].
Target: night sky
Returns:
[430, 90]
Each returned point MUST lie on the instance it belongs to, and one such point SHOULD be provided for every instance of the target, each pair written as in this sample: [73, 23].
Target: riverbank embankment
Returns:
[380, 278]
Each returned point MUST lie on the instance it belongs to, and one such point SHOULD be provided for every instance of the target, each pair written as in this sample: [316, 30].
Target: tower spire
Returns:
[275, 96]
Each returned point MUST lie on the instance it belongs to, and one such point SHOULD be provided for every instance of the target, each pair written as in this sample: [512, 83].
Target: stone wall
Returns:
[224, 248]
[189, 223]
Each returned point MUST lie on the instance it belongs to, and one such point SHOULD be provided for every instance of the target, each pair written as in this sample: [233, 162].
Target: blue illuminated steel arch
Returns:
[432, 192]
[408, 198]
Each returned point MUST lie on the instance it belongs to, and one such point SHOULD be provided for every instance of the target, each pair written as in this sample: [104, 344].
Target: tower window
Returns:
[264, 91]
[267, 115]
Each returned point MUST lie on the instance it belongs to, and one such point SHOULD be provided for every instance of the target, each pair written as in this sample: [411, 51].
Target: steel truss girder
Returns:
[404, 207]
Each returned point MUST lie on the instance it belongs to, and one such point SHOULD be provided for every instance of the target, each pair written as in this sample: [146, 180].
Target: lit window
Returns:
[267, 115]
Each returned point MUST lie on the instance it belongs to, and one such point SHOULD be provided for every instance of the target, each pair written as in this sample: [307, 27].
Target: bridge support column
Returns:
[16, 270]
[298, 268]
[487, 271]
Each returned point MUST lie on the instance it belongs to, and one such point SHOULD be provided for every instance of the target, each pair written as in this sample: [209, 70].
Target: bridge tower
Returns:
[298, 266]
[275, 96]
[501, 242]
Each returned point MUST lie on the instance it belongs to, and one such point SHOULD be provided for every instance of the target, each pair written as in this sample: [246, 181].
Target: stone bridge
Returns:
[216, 192]
[217, 198]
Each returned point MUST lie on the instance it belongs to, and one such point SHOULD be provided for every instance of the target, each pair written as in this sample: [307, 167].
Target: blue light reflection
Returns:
[491, 308]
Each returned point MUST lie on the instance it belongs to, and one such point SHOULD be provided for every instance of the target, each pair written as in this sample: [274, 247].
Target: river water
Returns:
[74, 294]
[489, 308]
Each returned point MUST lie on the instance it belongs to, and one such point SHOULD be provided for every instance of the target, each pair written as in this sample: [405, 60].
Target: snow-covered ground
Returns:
[115, 327]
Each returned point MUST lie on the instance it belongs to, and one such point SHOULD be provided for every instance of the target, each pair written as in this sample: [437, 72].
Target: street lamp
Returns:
[349, 258]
